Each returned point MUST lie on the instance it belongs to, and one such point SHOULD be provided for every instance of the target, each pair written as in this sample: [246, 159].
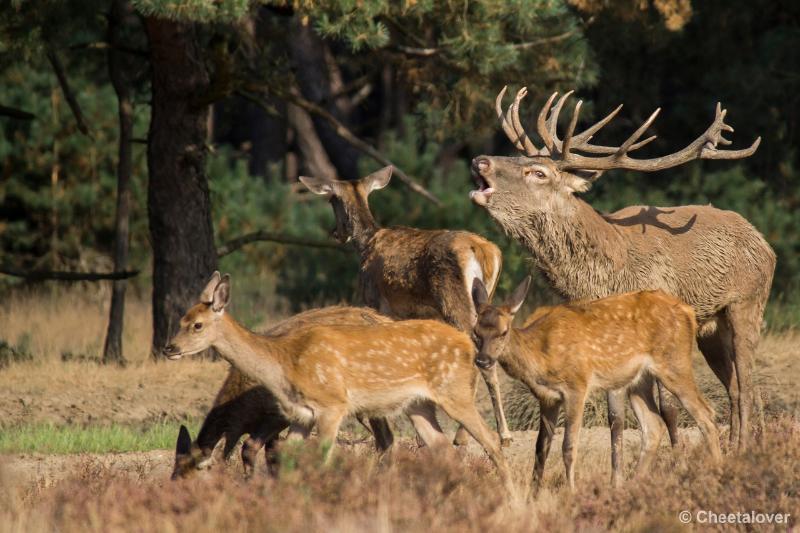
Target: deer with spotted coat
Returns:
[712, 259]
[320, 374]
[414, 273]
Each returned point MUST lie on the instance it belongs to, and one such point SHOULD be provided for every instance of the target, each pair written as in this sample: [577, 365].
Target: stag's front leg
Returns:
[493, 384]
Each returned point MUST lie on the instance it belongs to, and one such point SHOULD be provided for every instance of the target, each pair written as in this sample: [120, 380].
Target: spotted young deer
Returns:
[320, 374]
[243, 406]
[414, 273]
[616, 343]
[712, 259]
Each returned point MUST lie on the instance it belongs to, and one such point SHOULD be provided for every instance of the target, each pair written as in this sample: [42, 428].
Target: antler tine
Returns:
[507, 128]
[626, 146]
[552, 121]
[570, 131]
[587, 134]
[513, 110]
[541, 124]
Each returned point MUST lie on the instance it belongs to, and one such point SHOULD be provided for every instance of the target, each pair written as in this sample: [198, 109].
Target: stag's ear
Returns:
[378, 179]
[208, 293]
[222, 294]
[479, 295]
[184, 444]
[514, 301]
[317, 185]
[580, 180]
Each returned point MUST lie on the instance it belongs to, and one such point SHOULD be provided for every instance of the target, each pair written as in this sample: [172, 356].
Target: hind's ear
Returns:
[317, 185]
[184, 444]
[378, 179]
[208, 292]
[479, 294]
[518, 296]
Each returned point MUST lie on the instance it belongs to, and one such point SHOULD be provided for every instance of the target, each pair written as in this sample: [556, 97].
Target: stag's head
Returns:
[493, 326]
[541, 179]
[349, 201]
[199, 326]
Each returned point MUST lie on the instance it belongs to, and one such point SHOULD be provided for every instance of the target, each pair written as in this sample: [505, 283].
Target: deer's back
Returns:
[407, 269]
[706, 256]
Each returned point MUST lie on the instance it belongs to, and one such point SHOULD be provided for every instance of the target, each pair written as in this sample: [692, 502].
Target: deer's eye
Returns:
[198, 326]
[530, 172]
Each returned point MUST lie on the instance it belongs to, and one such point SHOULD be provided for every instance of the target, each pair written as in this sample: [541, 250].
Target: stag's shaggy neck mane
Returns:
[260, 358]
[575, 247]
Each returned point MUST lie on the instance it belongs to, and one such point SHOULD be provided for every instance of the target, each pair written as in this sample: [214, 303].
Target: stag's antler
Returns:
[704, 147]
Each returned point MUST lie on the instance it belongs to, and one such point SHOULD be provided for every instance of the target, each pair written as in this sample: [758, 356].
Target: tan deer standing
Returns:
[712, 259]
[618, 343]
[414, 273]
[243, 406]
[320, 374]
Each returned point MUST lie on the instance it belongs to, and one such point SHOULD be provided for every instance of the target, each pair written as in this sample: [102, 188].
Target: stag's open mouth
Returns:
[484, 191]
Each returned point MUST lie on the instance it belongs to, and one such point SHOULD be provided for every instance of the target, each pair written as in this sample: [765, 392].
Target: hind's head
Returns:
[199, 326]
[189, 458]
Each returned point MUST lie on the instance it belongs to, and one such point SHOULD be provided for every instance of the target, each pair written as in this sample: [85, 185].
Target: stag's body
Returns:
[714, 260]
[244, 407]
[617, 343]
[320, 374]
[415, 273]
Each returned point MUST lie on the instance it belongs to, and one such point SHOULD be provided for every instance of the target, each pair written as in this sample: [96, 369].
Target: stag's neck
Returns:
[575, 247]
[258, 357]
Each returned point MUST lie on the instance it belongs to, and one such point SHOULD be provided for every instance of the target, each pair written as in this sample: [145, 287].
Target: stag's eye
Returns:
[533, 173]
[198, 326]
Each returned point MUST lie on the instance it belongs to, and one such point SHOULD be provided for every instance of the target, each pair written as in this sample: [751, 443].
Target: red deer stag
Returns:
[620, 343]
[414, 273]
[242, 406]
[712, 259]
[320, 374]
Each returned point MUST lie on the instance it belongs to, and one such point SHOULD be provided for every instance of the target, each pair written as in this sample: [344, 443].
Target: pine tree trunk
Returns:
[178, 204]
[112, 351]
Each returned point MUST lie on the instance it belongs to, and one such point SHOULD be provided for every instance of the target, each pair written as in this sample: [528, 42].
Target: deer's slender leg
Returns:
[548, 420]
[616, 422]
[745, 322]
[573, 420]
[466, 414]
[328, 422]
[384, 438]
[423, 417]
[462, 436]
[493, 384]
[650, 426]
[265, 434]
[717, 349]
[668, 408]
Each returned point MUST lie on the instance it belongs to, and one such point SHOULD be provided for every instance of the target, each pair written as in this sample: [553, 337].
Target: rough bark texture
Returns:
[178, 205]
[112, 350]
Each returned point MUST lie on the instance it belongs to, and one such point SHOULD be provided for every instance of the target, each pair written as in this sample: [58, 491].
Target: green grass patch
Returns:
[48, 438]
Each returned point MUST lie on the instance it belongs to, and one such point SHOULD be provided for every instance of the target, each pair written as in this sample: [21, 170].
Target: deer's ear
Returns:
[578, 181]
[479, 294]
[222, 294]
[518, 296]
[378, 179]
[317, 185]
[208, 292]
[184, 444]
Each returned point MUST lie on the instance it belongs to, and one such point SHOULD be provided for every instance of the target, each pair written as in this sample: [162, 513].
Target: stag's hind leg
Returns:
[717, 350]
[745, 322]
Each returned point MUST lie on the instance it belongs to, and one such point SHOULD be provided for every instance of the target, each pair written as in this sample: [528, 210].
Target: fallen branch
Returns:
[58, 68]
[362, 146]
[234, 244]
[60, 275]
[13, 112]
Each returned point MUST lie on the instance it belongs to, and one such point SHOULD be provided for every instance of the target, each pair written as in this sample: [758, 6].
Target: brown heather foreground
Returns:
[358, 492]
[416, 491]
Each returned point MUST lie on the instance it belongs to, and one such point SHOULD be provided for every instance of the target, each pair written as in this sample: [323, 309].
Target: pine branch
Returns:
[13, 112]
[58, 68]
[61, 275]
[362, 146]
[234, 244]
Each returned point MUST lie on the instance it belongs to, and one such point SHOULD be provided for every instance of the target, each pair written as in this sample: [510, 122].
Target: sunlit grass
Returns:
[49, 438]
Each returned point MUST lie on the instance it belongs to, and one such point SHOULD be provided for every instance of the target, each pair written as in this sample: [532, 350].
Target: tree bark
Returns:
[179, 209]
[112, 350]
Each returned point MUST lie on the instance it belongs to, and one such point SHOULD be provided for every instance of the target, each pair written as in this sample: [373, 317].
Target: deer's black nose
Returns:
[170, 349]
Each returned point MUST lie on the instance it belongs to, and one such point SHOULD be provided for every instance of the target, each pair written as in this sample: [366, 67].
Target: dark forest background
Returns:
[157, 140]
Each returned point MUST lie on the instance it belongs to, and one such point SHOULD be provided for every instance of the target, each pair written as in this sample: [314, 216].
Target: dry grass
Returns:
[414, 491]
